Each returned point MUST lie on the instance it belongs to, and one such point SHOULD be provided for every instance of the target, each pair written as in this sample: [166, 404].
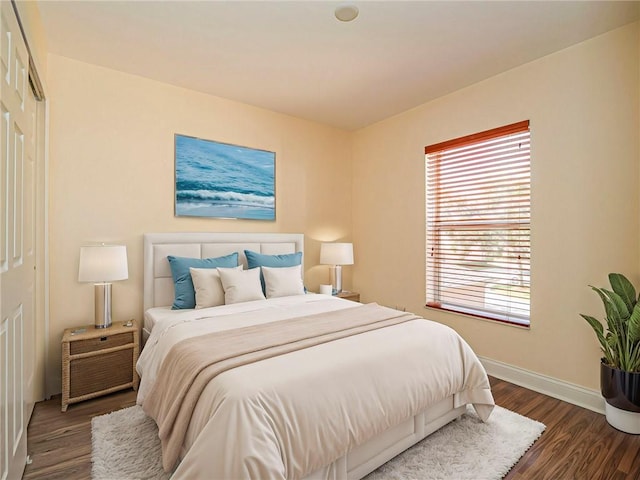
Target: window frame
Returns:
[435, 282]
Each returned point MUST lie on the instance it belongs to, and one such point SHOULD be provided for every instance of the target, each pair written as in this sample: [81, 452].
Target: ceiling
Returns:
[298, 59]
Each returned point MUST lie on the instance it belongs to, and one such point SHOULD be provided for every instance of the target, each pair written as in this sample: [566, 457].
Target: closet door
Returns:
[17, 246]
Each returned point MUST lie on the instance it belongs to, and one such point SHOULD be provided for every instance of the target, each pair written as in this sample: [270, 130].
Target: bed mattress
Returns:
[155, 314]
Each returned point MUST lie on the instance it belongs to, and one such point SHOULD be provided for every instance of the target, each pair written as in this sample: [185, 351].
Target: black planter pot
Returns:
[619, 388]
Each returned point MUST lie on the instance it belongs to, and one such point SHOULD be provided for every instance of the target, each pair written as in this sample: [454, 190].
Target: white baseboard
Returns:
[565, 391]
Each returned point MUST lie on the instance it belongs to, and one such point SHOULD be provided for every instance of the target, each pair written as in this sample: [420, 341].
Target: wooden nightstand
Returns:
[97, 361]
[353, 296]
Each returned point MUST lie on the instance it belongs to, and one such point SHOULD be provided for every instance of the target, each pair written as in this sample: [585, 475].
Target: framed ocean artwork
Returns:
[221, 180]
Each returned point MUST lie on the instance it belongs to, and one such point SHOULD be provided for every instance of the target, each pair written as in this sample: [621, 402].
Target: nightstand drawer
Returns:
[100, 343]
[100, 372]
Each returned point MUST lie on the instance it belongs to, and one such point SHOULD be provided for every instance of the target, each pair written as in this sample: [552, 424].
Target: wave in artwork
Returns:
[221, 180]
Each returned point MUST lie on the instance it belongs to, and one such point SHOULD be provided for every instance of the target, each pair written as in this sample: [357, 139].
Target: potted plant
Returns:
[620, 366]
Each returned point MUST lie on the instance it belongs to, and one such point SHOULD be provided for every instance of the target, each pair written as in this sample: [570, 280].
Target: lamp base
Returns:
[336, 279]
[102, 303]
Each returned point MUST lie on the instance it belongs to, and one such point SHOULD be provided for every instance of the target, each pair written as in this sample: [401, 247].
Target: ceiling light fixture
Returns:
[346, 12]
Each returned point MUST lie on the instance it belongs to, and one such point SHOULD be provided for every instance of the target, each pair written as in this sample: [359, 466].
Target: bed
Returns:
[333, 409]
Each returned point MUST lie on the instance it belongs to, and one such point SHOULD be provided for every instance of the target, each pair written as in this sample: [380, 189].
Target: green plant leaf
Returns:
[613, 343]
[633, 326]
[624, 288]
[611, 313]
[599, 329]
[616, 300]
[595, 324]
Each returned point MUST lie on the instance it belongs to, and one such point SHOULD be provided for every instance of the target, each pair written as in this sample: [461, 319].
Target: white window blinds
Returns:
[478, 224]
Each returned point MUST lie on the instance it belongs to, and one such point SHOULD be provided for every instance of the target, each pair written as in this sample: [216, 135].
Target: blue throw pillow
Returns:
[185, 295]
[255, 260]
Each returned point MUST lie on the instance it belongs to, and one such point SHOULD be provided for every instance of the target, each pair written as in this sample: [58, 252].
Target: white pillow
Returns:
[208, 287]
[241, 285]
[283, 281]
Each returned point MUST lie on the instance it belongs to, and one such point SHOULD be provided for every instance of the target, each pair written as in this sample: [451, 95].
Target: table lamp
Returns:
[336, 255]
[101, 265]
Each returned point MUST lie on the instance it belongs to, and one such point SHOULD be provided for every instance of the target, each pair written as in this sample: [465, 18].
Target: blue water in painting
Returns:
[221, 180]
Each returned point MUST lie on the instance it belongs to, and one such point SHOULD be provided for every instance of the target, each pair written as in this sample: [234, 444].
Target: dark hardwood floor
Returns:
[577, 444]
[60, 443]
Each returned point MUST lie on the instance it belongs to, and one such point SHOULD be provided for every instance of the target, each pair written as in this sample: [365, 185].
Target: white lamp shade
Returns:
[103, 263]
[336, 253]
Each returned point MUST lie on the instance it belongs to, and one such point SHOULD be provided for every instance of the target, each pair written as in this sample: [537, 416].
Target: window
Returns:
[478, 224]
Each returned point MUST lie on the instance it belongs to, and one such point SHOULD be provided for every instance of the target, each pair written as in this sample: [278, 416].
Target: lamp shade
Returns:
[103, 263]
[336, 253]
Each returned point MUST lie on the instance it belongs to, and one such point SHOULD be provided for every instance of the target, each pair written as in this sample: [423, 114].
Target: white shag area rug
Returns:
[126, 447]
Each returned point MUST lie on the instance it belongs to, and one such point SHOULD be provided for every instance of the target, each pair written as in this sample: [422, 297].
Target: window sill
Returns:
[517, 323]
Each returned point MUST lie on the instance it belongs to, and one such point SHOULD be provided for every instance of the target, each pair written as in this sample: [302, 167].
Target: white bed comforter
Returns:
[291, 415]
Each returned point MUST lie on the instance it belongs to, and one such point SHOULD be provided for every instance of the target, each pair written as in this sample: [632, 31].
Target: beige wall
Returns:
[112, 178]
[583, 106]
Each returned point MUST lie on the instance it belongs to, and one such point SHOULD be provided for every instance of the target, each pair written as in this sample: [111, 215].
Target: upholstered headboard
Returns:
[158, 284]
